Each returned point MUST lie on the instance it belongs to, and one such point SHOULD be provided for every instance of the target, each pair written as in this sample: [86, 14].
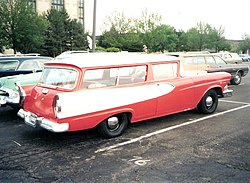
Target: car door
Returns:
[179, 91]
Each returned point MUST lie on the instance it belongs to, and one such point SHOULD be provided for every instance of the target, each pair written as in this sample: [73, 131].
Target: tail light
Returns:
[56, 105]
[21, 92]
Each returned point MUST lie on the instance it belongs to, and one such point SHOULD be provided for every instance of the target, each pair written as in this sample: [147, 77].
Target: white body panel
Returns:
[94, 100]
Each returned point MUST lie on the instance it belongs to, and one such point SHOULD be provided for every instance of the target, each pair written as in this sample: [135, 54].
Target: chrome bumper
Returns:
[227, 93]
[12, 98]
[34, 121]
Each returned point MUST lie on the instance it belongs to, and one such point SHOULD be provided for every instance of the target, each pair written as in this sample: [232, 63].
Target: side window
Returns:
[8, 65]
[164, 71]
[114, 76]
[100, 78]
[134, 74]
[194, 60]
[29, 65]
[219, 60]
[210, 60]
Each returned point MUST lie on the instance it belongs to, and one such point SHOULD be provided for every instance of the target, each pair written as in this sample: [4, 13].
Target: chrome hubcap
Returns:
[113, 123]
[236, 78]
[209, 102]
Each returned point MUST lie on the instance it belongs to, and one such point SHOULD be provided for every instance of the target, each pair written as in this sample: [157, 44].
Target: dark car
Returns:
[198, 62]
[21, 64]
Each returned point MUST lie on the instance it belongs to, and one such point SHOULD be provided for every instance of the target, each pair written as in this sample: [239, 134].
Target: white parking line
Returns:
[168, 129]
[230, 101]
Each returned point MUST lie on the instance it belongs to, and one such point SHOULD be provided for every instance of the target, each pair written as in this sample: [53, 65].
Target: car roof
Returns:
[105, 59]
[21, 58]
[179, 54]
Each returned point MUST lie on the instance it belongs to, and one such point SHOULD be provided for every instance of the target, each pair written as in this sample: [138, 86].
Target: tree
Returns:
[204, 36]
[162, 38]
[147, 22]
[181, 44]
[128, 33]
[63, 34]
[216, 40]
[78, 39]
[21, 28]
[244, 46]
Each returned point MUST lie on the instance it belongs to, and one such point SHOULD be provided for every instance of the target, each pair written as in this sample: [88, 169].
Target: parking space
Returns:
[186, 147]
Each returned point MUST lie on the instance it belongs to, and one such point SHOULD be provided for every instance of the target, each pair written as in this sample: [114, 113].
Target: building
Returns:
[75, 8]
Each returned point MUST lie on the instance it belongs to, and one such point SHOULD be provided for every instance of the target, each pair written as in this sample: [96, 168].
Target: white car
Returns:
[230, 58]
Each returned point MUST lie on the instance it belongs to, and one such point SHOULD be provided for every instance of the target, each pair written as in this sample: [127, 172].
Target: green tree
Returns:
[120, 33]
[244, 46]
[181, 44]
[77, 37]
[21, 28]
[128, 33]
[55, 37]
[63, 34]
[204, 36]
[216, 40]
[162, 38]
[147, 22]
[193, 42]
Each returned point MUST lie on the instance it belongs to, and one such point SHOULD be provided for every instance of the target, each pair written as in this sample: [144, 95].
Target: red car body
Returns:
[103, 93]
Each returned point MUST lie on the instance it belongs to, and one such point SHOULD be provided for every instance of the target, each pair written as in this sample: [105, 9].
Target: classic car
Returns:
[9, 95]
[196, 63]
[230, 58]
[21, 64]
[111, 90]
[245, 57]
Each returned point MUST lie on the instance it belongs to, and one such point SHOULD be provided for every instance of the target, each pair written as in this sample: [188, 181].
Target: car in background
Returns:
[9, 95]
[68, 53]
[197, 63]
[230, 58]
[245, 57]
[21, 64]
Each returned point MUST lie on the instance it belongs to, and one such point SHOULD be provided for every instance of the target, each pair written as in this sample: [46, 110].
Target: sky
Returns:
[232, 15]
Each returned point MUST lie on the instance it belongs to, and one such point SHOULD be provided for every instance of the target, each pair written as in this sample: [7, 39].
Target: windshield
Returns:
[59, 77]
[8, 65]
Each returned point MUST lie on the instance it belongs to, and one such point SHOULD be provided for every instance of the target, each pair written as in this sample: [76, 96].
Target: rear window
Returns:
[59, 78]
[8, 65]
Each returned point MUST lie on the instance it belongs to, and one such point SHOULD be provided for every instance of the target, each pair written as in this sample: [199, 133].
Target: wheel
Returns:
[237, 79]
[113, 126]
[208, 103]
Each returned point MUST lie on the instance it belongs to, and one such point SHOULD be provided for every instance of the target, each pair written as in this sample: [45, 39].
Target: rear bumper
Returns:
[34, 121]
[227, 93]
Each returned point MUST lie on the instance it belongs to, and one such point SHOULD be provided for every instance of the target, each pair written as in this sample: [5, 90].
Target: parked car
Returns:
[21, 64]
[196, 63]
[245, 57]
[111, 90]
[9, 95]
[66, 53]
[230, 58]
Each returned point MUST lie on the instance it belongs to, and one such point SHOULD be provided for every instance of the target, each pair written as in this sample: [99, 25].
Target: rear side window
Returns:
[219, 60]
[114, 76]
[165, 71]
[29, 65]
[194, 60]
[210, 60]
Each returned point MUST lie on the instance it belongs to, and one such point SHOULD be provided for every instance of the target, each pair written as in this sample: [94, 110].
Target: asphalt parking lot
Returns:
[186, 147]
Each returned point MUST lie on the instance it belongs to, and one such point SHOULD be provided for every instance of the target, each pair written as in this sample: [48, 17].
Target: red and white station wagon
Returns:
[111, 90]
